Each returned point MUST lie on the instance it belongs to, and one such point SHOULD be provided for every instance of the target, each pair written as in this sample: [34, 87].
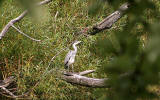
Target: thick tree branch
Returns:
[107, 22]
[6, 28]
[76, 78]
[85, 81]
[110, 20]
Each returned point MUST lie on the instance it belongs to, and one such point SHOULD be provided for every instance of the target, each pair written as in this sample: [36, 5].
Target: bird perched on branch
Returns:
[70, 57]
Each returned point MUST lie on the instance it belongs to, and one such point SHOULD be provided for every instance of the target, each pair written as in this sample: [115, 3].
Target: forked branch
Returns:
[6, 28]
[84, 81]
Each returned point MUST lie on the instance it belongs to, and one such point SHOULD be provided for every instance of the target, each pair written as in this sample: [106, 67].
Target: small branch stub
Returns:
[86, 72]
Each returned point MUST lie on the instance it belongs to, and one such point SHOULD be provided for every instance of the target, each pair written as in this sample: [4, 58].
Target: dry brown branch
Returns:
[86, 72]
[6, 28]
[13, 90]
[107, 22]
[44, 2]
[111, 19]
[24, 96]
[7, 91]
[25, 34]
[6, 82]
[78, 79]
[84, 81]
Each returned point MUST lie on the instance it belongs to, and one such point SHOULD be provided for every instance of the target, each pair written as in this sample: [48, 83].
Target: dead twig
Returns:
[6, 82]
[84, 81]
[25, 34]
[86, 72]
[7, 91]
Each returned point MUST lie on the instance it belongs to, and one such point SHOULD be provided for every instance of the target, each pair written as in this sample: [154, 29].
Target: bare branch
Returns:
[25, 34]
[63, 49]
[76, 78]
[111, 19]
[23, 96]
[85, 81]
[7, 91]
[6, 28]
[7, 81]
[86, 72]
[55, 17]
[44, 2]
[107, 22]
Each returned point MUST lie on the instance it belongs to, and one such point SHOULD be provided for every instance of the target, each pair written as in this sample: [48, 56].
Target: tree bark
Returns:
[108, 21]
[85, 81]
[76, 78]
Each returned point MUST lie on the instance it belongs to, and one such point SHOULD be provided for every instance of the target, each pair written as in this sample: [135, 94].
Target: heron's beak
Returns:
[79, 42]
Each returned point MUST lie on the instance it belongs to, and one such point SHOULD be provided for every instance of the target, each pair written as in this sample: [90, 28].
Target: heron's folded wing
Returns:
[69, 54]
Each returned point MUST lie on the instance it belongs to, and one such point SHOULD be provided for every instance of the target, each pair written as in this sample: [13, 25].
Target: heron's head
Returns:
[77, 42]
[124, 7]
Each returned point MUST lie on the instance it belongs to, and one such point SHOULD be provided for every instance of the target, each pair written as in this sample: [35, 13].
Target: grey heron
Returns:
[70, 57]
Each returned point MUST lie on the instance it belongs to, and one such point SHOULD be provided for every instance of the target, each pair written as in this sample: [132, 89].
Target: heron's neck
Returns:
[75, 48]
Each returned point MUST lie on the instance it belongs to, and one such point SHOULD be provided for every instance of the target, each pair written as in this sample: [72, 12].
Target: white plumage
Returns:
[70, 57]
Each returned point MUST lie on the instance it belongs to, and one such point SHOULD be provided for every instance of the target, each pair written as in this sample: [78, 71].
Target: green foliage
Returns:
[133, 66]
[1, 2]
[27, 60]
[133, 49]
[95, 6]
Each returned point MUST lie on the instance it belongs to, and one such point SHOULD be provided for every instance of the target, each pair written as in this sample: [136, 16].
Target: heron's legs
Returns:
[68, 68]
[72, 68]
